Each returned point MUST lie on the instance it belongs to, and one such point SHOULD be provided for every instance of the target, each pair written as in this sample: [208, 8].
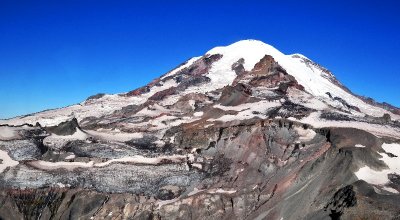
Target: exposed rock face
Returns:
[238, 67]
[246, 170]
[64, 128]
[139, 91]
[343, 198]
[232, 96]
[97, 96]
[243, 132]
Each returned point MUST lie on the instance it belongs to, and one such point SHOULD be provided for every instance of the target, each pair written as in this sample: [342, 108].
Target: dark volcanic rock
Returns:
[64, 128]
[235, 95]
[186, 82]
[201, 66]
[334, 116]
[289, 109]
[267, 73]
[238, 67]
[139, 91]
[343, 198]
[198, 68]
[97, 96]
[23, 149]
[162, 94]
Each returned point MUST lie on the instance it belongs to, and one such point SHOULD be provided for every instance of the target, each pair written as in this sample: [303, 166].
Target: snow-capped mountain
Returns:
[215, 68]
[243, 131]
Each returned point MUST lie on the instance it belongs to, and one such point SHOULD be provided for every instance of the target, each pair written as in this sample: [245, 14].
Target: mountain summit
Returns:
[242, 132]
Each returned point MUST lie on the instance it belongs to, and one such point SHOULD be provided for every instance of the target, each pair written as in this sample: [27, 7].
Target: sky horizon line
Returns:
[43, 110]
[59, 53]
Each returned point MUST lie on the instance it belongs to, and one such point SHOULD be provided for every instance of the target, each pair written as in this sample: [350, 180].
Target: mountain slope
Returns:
[243, 131]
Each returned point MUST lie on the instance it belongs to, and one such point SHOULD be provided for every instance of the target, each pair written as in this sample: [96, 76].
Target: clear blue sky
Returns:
[57, 53]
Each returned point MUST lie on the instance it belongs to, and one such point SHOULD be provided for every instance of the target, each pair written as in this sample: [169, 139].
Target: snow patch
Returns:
[6, 161]
[305, 134]
[197, 165]
[390, 189]
[212, 191]
[70, 157]
[165, 202]
[221, 191]
[143, 160]
[380, 177]
[7, 133]
[246, 111]
[195, 191]
[114, 135]
[316, 121]
[198, 114]
[46, 165]
[61, 185]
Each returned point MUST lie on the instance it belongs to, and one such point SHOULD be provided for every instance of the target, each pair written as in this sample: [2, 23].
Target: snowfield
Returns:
[114, 135]
[7, 133]
[47, 165]
[379, 130]
[246, 111]
[380, 177]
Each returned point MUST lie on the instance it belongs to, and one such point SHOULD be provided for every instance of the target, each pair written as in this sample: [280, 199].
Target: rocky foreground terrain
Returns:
[242, 132]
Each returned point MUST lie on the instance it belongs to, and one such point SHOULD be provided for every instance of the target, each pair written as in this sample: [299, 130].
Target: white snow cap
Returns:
[250, 50]
[313, 78]
[221, 73]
